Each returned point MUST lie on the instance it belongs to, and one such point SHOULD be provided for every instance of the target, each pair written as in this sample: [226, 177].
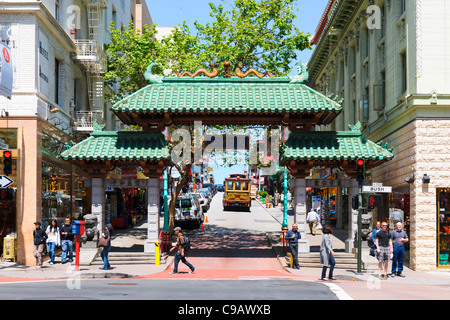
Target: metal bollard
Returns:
[157, 254]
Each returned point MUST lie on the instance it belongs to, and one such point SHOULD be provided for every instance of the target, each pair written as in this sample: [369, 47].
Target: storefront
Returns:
[443, 227]
[8, 207]
[63, 193]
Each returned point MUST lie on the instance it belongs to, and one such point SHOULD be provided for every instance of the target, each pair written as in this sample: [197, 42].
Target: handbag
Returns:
[103, 242]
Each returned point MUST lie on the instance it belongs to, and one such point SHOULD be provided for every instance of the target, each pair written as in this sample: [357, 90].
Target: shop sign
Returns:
[127, 183]
[316, 202]
[328, 183]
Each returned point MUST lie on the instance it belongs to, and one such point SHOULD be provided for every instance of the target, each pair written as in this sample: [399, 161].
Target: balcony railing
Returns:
[91, 54]
[85, 120]
[102, 3]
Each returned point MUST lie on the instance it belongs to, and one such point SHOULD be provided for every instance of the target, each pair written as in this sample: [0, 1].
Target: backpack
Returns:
[187, 244]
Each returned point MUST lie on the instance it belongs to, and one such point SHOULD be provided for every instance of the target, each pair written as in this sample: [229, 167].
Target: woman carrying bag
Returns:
[105, 242]
[327, 253]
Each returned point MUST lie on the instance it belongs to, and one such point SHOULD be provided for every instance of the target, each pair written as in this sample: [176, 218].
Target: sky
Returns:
[169, 13]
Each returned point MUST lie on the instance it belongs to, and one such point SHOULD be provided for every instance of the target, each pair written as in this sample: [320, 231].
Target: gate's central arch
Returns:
[225, 100]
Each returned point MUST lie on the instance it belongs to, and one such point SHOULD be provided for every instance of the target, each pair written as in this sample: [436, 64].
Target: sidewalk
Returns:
[437, 278]
[121, 240]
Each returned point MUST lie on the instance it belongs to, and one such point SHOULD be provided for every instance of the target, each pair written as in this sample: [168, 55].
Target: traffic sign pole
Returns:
[360, 210]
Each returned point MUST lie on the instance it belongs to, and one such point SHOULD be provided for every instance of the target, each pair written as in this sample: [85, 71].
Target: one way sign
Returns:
[5, 181]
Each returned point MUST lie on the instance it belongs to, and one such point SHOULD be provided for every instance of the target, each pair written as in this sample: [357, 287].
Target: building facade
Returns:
[59, 62]
[386, 59]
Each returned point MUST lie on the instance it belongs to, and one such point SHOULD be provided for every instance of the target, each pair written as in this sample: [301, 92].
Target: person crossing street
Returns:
[180, 255]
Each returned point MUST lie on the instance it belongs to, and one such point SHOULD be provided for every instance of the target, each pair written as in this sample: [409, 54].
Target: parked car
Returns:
[188, 211]
[210, 187]
[207, 193]
[204, 203]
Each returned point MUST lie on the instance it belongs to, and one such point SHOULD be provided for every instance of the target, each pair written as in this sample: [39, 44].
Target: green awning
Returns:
[120, 146]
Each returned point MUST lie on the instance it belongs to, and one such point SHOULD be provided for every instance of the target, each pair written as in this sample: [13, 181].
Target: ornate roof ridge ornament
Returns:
[199, 71]
[303, 74]
[226, 66]
[256, 73]
[150, 77]
[259, 75]
[356, 128]
[98, 127]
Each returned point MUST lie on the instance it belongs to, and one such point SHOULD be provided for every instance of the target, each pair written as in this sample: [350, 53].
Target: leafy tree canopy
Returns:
[257, 34]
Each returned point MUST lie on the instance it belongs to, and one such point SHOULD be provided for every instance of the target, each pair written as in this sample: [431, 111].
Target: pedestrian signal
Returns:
[6, 194]
[374, 201]
[360, 171]
[7, 162]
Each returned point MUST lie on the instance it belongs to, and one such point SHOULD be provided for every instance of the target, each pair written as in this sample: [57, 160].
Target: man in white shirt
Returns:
[312, 218]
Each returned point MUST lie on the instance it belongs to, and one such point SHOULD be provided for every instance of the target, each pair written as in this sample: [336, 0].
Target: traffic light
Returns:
[360, 171]
[374, 201]
[6, 194]
[7, 162]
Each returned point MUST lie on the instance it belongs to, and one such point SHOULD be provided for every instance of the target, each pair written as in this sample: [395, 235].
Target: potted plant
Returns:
[263, 194]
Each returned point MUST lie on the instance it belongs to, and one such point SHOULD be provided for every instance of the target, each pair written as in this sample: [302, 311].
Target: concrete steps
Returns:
[130, 258]
[312, 260]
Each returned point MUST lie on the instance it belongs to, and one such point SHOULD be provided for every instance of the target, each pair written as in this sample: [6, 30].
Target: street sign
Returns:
[377, 187]
[5, 181]
[6, 73]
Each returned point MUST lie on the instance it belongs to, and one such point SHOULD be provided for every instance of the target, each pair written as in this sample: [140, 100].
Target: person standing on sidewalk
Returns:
[383, 243]
[53, 240]
[105, 251]
[39, 237]
[327, 253]
[66, 240]
[399, 238]
[180, 255]
[292, 236]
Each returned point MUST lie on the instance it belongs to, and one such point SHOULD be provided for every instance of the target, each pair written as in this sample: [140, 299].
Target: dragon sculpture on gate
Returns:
[199, 71]
[243, 75]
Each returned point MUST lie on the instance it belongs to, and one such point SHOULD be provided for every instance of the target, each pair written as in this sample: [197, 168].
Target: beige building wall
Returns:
[396, 81]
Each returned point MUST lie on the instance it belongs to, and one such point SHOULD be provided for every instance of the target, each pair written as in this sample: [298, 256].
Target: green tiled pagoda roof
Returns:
[225, 95]
[120, 146]
[325, 146]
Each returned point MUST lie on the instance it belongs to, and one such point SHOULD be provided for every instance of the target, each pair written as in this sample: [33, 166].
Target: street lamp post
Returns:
[166, 208]
[285, 221]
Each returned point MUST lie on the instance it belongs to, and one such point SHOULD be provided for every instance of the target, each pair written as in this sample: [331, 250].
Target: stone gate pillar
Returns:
[152, 215]
[300, 212]
[98, 202]
[352, 218]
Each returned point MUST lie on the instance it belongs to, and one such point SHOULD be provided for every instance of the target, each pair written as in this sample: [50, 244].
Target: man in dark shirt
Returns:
[383, 243]
[39, 237]
[66, 240]
[292, 236]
